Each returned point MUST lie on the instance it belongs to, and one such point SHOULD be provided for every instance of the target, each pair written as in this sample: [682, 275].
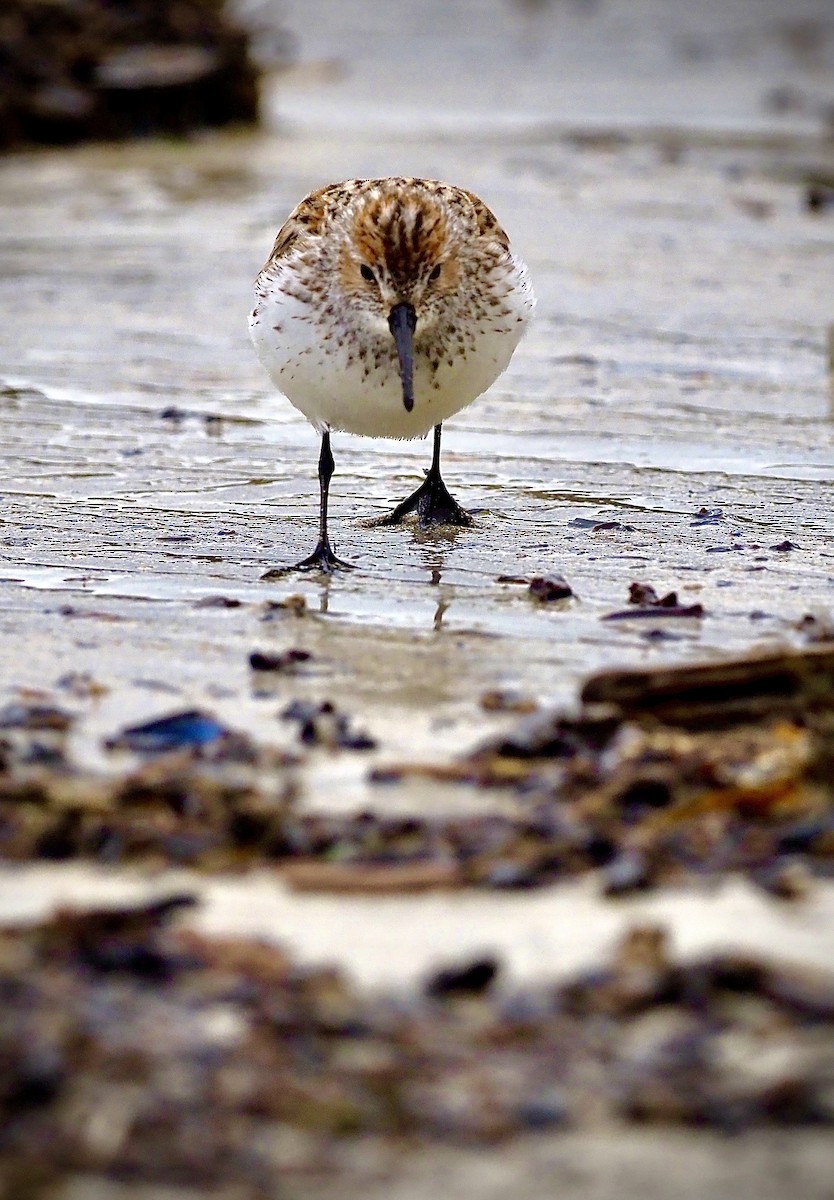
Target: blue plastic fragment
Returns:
[192, 728]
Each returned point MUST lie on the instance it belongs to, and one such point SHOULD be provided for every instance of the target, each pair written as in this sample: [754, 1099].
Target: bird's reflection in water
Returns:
[432, 560]
[432, 557]
[439, 613]
[324, 592]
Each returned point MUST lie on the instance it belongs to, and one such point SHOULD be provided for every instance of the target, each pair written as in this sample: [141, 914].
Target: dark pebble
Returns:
[264, 661]
[62, 842]
[546, 588]
[471, 980]
[350, 740]
[599, 848]
[642, 794]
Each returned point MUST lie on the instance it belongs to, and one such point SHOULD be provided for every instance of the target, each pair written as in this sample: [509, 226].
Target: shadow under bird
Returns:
[385, 307]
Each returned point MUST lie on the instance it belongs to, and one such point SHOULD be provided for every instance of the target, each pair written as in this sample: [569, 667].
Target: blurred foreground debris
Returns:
[796, 684]
[661, 777]
[77, 69]
[133, 1049]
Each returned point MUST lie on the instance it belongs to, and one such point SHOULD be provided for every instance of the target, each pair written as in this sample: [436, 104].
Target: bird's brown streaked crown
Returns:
[391, 212]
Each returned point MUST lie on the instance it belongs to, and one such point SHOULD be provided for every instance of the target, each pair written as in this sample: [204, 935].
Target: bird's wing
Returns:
[487, 221]
[307, 217]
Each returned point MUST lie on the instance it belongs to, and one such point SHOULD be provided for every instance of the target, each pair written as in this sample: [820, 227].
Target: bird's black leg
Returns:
[431, 502]
[322, 558]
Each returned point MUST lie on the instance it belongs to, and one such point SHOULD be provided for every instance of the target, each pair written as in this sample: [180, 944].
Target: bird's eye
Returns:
[366, 273]
[435, 274]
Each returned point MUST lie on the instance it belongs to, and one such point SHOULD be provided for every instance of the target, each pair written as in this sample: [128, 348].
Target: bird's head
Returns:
[401, 263]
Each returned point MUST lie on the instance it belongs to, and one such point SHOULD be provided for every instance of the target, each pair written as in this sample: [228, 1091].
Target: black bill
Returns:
[402, 321]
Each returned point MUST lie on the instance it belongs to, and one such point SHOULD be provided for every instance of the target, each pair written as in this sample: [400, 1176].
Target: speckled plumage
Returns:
[343, 259]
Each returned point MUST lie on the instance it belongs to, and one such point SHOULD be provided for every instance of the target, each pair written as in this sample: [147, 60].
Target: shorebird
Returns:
[386, 306]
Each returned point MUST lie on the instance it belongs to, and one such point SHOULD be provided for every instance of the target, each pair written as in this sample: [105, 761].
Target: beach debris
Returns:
[648, 604]
[543, 588]
[595, 525]
[708, 516]
[79, 69]
[321, 724]
[294, 605]
[35, 717]
[467, 979]
[82, 684]
[659, 777]
[190, 728]
[721, 694]
[89, 614]
[120, 1024]
[546, 588]
[284, 660]
[173, 413]
[218, 602]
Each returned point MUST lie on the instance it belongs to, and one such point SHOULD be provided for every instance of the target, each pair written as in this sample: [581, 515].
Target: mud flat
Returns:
[666, 423]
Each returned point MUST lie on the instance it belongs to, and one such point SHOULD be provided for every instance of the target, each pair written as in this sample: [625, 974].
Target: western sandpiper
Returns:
[386, 306]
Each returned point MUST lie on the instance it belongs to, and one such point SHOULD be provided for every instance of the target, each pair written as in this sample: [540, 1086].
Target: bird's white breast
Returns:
[339, 380]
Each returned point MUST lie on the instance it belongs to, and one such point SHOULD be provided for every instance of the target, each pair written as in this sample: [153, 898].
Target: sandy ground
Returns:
[678, 363]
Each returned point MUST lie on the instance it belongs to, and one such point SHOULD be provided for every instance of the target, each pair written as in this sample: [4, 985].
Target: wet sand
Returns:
[667, 420]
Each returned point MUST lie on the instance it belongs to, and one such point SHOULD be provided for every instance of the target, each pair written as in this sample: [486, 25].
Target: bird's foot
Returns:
[432, 503]
[322, 559]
